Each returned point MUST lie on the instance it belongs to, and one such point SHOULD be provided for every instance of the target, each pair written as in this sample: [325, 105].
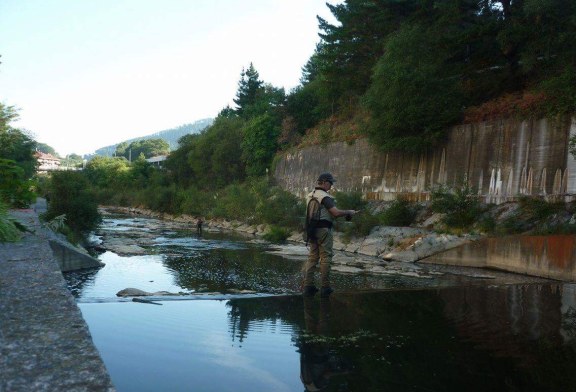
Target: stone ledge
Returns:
[45, 344]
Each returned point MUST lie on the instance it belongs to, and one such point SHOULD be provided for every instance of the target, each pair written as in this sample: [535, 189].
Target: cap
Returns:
[326, 177]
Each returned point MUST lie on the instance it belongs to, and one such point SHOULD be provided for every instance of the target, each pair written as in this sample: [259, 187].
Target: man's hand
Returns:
[351, 213]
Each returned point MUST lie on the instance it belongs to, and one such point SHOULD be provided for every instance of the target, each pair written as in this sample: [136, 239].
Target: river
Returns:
[440, 329]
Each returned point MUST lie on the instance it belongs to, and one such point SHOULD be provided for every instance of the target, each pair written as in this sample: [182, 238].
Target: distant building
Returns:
[46, 162]
[157, 161]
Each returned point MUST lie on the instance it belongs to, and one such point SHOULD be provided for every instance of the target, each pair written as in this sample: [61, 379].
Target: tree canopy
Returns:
[418, 65]
[249, 88]
[15, 144]
[148, 147]
[17, 161]
[46, 149]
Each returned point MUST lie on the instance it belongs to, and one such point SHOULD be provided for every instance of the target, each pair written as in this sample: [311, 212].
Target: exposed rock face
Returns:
[428, 245]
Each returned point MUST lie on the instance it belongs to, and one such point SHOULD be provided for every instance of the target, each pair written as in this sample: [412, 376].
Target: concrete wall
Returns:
[70, 258]
[501, 159]
[552, 256]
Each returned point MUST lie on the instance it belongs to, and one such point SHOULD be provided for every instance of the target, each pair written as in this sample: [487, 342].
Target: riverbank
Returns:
[403, 244]
[45, 344]
[386, 251]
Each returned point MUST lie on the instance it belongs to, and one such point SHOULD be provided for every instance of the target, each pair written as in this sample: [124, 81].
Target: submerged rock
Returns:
[145, 301]
[237, 291]
[132, 292]
[123, 246]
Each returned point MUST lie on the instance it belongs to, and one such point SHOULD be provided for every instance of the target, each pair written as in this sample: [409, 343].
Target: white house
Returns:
[46, 162]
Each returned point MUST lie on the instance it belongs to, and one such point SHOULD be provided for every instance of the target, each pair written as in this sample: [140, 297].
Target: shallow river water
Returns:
[375, 333]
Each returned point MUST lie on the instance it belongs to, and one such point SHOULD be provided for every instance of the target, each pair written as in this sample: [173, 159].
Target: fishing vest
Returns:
[320, 194]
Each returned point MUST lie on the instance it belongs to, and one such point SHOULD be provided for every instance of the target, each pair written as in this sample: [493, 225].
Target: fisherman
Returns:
[321, 240]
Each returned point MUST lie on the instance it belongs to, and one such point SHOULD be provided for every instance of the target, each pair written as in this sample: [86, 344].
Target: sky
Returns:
[86, 74]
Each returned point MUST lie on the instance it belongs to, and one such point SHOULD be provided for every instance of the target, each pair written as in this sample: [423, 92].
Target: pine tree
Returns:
[249, 88]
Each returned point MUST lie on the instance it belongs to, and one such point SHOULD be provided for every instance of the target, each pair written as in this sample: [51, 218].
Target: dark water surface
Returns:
[415, 336]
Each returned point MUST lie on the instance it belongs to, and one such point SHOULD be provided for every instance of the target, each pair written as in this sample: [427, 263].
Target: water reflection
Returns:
[472, 338]
[513, 338]
[477, 338]
[76, 281]
[318, 362]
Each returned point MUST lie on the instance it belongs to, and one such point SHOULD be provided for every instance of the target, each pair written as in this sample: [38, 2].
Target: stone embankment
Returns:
[45, 344]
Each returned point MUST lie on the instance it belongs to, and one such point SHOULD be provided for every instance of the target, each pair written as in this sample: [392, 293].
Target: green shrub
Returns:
[461, 206]
[487, 224]
[532, 216]
[512, 225]
[350, 201]
[538, 209]
[279, 207]
[196, 201]
[15, 188]
[236, 202]
[104, 196]
[70, 195]
[276, 234]
[56, 224]
[161, 198]
[361, 224]
[401, 212]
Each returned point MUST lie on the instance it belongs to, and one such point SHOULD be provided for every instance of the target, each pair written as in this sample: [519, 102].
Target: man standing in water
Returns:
[321, 239]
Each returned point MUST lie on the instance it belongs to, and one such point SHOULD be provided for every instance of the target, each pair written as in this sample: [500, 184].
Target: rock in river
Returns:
[132, 292]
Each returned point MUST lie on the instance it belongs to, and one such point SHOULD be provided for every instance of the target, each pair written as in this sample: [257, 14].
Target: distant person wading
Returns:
[319, 234]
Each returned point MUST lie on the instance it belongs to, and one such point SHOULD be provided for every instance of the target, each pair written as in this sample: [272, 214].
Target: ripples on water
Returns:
[482, 338]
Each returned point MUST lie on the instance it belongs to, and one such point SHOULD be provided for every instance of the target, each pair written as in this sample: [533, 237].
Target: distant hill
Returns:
[170, 135]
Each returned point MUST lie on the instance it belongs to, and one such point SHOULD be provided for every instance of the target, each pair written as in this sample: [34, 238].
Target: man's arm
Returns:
[335, 212]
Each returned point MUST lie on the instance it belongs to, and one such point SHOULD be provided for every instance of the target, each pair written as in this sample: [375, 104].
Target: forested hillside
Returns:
[171, 136]
[403, 71]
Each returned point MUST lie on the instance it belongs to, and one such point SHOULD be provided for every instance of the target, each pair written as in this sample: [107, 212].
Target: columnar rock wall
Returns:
[501, 160]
